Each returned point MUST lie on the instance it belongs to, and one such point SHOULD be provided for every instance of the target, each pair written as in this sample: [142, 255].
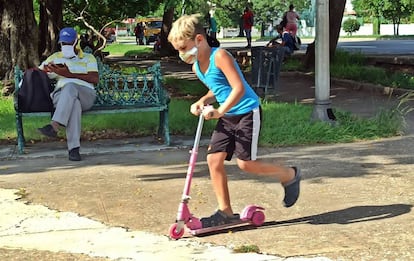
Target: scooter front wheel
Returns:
[174, 234]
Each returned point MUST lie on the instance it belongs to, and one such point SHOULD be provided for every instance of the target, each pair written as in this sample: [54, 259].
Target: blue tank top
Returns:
[217, 82]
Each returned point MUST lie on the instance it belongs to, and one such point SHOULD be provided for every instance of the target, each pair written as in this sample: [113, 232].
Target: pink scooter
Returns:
[251, 214]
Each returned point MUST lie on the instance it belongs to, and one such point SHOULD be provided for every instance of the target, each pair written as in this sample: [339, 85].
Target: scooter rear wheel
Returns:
[174, 234]
[258, 218]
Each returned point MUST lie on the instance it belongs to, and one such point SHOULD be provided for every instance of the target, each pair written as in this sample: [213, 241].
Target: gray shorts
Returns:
[237, 135]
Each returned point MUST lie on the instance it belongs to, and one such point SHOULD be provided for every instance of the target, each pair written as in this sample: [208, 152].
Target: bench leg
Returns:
[163, 129]
[20, 133]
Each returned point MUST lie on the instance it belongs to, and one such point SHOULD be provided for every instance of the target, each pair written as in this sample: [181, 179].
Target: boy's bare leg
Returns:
[282, 173]
[289, 177]
[219, 180]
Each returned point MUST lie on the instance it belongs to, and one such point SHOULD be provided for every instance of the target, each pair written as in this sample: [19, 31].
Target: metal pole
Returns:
[322, 110]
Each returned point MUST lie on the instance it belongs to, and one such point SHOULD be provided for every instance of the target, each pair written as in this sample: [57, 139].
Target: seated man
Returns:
[287, 41]
[76, 73]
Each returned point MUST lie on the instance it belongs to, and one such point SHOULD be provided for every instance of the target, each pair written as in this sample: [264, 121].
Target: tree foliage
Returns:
[392, 10]
[371, 9]
[52, 15]
[396, 10]
[272, 10]
[99, 12]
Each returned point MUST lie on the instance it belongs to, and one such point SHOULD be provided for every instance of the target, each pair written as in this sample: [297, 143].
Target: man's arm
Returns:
[91, 77]
[63, 70]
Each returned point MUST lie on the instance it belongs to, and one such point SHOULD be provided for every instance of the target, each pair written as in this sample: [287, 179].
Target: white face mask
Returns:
[190, 56]
[69, 50]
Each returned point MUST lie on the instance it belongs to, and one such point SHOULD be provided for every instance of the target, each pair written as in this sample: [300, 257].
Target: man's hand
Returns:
[60, 69]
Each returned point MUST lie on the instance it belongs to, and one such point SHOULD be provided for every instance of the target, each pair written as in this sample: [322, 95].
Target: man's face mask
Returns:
[190, 56]
[68, 50]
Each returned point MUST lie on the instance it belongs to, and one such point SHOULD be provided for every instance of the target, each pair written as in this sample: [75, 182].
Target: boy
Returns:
[238, 115]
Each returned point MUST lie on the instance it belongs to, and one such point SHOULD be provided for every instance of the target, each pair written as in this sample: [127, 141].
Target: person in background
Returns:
[248, 20]
[238, 117]
[287, 41]
[139, 33]
[212, 26]
[76, 73]
[291, 20]
[270, 30]
[157, 44]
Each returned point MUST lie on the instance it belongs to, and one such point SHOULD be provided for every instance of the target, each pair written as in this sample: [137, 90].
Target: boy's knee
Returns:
[245, 165]
[215, 160]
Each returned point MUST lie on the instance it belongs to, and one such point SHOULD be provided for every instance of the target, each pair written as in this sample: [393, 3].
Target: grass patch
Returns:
[128, 49]
[186, 87]
[247, 249]
[289, 124]
[284, 124]
[354, 66]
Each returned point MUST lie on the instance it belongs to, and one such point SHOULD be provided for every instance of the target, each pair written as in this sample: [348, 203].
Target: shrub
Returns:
[351, 26]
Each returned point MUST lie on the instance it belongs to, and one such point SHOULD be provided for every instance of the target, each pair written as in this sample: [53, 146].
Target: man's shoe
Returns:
[292, 189]
[74, 154]
[48, 131]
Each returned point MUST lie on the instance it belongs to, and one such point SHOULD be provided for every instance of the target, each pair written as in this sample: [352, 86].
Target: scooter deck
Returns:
[206, 230]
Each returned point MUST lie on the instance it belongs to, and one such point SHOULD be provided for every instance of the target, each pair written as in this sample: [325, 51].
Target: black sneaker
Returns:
[74, 154]
[292, 189]
[48, 131]
[219, 218]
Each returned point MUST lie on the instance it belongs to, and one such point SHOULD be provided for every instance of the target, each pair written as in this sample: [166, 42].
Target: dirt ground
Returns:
[355, 204]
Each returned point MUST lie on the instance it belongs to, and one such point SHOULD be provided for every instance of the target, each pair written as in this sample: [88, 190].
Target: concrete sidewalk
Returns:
[355, 205]
[356, 200]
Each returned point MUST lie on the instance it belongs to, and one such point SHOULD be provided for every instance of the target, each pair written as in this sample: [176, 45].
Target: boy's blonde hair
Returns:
[186, 28]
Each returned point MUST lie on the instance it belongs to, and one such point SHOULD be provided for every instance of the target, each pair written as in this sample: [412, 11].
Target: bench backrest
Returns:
[116, 88]
[265, 60]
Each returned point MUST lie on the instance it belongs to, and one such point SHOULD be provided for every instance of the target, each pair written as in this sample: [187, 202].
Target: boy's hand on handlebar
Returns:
[196, 108]
[207, 111]
[211, 113]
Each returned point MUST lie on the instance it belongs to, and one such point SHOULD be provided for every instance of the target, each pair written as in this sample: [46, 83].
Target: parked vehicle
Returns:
[152, 28]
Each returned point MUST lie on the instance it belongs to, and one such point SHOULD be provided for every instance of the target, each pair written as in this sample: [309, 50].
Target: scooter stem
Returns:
[193, 158]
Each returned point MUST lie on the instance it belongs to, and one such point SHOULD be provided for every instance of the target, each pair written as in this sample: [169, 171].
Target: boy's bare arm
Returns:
[225, 62]
[208, 98]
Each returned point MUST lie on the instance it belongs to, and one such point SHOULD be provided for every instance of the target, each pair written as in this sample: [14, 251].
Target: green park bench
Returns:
[266, 63]
[117, 92]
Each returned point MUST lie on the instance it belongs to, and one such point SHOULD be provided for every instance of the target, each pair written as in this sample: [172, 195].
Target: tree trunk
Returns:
[166, 48]
[18, 37]
[336, 12]
[51, 20]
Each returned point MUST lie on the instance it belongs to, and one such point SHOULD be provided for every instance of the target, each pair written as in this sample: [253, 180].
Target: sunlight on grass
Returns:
[353, 66]
[127, 49]
[283, 124]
